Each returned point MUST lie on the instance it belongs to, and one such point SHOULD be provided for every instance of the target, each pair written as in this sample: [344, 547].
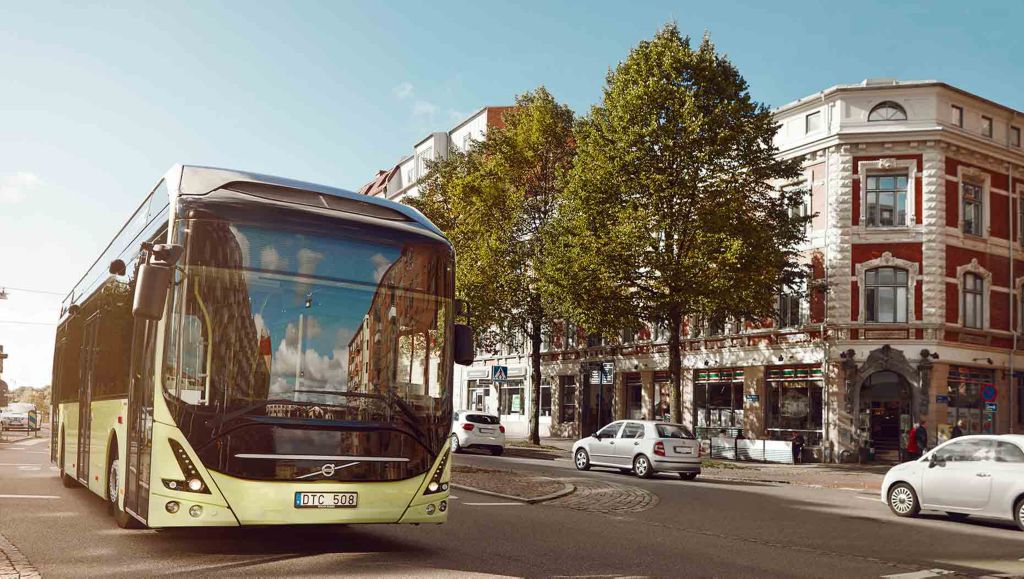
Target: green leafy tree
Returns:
[496, 202]
[673, 209]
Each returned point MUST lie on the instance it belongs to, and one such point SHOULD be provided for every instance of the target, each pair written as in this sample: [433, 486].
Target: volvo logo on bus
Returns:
[328, 470]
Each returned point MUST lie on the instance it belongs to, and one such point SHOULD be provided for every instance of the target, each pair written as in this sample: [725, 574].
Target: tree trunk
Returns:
[675, 320]
[535, 340]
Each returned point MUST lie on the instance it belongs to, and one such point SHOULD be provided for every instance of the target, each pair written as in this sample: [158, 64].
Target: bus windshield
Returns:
[332, 327]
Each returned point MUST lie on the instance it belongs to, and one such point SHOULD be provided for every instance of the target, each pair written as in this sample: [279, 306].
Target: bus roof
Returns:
[196, 180]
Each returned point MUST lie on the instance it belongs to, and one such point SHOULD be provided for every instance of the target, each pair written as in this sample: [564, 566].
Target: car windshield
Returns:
[343, 325]
[482, 419]
[673, 431]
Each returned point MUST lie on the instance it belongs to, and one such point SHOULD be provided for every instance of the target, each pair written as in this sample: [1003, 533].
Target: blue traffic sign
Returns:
[499, 373]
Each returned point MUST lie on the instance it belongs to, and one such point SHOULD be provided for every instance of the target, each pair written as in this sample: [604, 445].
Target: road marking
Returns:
[452, 497]
[487, 504]
[921, 574]
[29, 497]
[872, 499]
[18, 464]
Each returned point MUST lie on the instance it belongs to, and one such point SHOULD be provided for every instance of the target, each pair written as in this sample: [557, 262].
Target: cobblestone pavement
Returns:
[505, 482]
[813, 475]
[14, 565]
[598, 496]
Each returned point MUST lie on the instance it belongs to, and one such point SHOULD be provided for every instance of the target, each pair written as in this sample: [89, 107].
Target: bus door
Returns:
[87, 382]
[140, 420]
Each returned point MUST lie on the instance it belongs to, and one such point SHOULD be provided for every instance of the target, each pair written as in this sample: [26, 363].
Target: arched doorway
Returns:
[886, 413]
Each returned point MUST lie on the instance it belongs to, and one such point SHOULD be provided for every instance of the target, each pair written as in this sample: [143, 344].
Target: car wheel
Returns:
[903, 500]
[455, 443]
[497, 450]
[688, 475]
[66, 480]
[582, 459]
[1019, 510]
[958, 516]
[642, 466]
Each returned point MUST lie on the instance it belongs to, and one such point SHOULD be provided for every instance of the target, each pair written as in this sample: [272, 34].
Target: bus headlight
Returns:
[195, 485]
[435, 485]
[192, 481]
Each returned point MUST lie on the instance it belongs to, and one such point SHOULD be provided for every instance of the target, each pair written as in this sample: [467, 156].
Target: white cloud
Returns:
[403, 90]
[425, 111]
[382, 264]
[14, 188]
[270, 259]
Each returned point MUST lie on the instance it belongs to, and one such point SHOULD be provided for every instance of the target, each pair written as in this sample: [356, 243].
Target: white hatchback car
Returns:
[979, 475]
[472, 429]
[642, 446]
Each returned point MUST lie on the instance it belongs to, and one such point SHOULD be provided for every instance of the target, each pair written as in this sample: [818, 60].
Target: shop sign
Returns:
[991, 407]
[989, 393]
[752, 397]
[942, 399]
[603, 373]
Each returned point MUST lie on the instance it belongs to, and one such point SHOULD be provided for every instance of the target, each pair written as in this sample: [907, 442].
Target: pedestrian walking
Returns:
[922, 437]
[958, 429]
[798, 448]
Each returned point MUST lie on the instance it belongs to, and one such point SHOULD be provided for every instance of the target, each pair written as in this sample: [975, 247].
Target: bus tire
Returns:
[68, 482]
[122, 518]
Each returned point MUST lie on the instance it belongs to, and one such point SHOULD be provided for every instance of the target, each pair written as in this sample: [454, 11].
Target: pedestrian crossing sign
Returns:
[499, 373]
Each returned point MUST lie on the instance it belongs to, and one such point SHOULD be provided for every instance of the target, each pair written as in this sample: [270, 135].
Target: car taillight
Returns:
[501, 429]
[659, 448]
[467, 426]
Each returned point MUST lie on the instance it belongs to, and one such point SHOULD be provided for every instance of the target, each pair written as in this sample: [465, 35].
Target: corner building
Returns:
[913, 302]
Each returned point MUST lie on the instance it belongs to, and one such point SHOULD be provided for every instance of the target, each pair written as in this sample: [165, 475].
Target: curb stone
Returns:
[13, 564]
[567, 489]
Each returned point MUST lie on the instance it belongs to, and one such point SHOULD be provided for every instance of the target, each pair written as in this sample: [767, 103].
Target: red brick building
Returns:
[913, 309]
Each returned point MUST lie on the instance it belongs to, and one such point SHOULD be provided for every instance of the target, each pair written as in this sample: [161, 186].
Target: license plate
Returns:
[683, 450]
[325, 500]
[486, 430]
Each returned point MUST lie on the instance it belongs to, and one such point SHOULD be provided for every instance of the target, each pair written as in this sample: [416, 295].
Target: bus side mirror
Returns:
[464, 353]
[154, 280]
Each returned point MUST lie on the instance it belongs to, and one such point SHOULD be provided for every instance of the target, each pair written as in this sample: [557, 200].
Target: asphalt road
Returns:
[695, 529]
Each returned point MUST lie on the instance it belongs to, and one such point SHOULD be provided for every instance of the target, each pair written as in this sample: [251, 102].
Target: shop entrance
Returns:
[885, 411]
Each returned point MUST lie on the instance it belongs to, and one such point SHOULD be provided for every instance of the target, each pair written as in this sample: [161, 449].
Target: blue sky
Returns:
[97, 102]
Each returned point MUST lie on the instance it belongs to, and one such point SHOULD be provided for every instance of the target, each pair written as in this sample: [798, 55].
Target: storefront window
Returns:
[477, 394]
[662, 395]
[794, 406]
[567, 395]
[718, 401]
[513, 400]
[545, 399]
[965, 404]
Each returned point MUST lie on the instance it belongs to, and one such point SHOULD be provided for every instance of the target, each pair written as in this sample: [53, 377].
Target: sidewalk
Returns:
[866, 477]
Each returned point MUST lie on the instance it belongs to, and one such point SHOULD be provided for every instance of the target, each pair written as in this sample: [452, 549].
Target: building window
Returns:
[812, 122]
[886, 200]
[986, 126]
[789, 308]
[887, 111]
[410, 176]
[478, 394]
[972, 208]
[567, 396]
[421, 160]
[1015, 137]
[512, 400]
[885, 294]
[965, 405]
[545, 399]
[973, 300]
[957, 116]
[794, 407]
[466, 139]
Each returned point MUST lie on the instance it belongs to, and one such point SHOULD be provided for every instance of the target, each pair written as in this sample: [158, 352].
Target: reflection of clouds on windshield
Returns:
[308, 260]
[382, 264]
[325, 371]
[243, 244]
[270, 259]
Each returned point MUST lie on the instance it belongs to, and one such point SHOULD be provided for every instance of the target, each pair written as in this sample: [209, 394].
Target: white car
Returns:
[472, 429]
[13, 420]
[641, 446]
[979, 475]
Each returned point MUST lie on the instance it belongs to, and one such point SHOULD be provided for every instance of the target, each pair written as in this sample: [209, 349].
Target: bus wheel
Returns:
[123, 519]
[69, 482]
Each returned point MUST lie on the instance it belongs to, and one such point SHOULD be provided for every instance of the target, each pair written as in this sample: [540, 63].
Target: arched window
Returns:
[887, 111]
[885, 293]
[973, 300]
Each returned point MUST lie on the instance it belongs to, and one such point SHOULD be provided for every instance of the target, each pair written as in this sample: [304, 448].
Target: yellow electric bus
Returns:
[251, 350]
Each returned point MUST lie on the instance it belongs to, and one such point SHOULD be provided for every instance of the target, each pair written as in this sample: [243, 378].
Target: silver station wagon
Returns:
[644, 447]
